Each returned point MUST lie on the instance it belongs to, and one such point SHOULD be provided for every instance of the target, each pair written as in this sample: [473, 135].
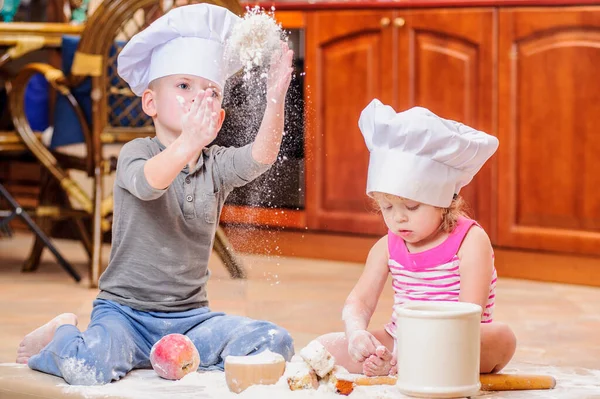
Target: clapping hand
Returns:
[199, 123]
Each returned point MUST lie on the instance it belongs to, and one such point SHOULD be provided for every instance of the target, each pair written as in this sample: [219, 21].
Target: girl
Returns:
[418, 164]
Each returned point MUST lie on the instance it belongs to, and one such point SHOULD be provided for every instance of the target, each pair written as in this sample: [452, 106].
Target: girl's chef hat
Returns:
[417, 155]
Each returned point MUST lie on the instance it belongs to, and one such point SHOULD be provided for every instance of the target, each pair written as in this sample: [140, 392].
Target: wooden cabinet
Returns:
[526, 74]
[446, 64]
[439, 59]
[349, 62]
[548, 126]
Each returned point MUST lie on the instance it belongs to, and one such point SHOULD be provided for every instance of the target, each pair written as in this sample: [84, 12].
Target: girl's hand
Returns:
[394, 363]
[361, 345]
[199, 123]
[280, 74]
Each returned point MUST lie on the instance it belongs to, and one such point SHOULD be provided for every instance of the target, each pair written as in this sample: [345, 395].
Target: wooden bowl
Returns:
[241, 372]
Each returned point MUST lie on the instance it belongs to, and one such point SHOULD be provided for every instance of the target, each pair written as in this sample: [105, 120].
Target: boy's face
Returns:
[162, 101]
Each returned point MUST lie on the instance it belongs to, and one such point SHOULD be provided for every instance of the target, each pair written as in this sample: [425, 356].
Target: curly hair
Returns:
[458, 208]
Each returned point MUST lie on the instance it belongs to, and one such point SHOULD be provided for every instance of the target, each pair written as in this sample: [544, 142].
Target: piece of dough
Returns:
[318, 358]
[300, 375]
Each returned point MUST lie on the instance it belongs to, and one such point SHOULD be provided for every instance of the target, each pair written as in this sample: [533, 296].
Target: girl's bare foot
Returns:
[378, 364]
[36, 340]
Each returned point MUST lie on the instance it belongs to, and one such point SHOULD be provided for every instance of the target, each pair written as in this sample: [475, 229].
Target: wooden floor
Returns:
[555, 324]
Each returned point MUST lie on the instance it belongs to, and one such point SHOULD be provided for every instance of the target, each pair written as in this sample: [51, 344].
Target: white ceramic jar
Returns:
[438, 346]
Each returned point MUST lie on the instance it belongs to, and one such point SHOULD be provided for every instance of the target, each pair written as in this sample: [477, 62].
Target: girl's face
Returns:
[410, 220]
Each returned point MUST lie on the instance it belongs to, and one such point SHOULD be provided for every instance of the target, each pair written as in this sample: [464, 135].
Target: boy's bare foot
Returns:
[378, 364]
[36, 340]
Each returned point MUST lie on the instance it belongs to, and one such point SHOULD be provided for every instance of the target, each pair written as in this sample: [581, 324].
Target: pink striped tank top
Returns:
[431, 275]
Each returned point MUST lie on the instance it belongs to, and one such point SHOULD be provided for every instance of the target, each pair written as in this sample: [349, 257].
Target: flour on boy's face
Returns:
[174, 94]
[186, 87]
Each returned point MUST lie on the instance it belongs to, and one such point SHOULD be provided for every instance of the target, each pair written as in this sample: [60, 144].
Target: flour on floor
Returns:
[572, 383]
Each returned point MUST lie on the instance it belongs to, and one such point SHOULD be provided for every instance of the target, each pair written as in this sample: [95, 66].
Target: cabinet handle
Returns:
[385, 22]
[399, 22]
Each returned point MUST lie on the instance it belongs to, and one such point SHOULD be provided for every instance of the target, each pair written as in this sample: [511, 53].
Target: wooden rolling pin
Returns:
[489, 382]
[515, 382]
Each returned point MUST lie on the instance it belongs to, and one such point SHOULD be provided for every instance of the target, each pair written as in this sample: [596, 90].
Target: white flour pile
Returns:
[265, 357]
[254, 40]
[143, 384]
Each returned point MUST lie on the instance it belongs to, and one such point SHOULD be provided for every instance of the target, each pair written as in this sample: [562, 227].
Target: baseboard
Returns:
[545, 266]
[304, 244]
[528, 265]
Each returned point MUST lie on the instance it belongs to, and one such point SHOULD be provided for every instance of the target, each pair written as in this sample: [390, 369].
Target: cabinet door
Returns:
[349, 62]
[549, 118]
[446, 65]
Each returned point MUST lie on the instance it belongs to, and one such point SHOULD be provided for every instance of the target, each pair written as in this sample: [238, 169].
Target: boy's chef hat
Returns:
[186, 40]
[419, 156]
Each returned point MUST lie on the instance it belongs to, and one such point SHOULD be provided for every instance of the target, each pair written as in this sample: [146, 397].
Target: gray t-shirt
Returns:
[162, 239]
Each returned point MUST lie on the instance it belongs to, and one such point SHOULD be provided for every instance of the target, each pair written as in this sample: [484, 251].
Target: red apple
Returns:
[174, 356]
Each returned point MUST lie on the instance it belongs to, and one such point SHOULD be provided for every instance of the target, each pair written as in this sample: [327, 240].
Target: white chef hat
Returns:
[417, 155]
[186, 40]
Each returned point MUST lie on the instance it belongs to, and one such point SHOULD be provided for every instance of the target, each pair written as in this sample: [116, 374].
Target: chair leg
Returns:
[32, 263]
[84, 234]
[46, 197]
[47, 243]
[232, 262]
[96, 259]
[77, 224]
[6, 231]
[40, 235]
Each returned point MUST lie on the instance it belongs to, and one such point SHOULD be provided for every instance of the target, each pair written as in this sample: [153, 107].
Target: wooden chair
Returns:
[116, 115]
[20, 42]
[11, 147]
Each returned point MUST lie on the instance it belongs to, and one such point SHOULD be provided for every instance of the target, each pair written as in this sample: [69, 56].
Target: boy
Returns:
[169, 191]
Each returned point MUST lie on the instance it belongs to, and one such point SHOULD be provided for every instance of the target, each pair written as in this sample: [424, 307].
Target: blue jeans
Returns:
[119, 339]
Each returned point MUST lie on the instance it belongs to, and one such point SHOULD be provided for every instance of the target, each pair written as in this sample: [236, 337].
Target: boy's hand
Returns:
[361, 345]
[199, 123]
[280, 74]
